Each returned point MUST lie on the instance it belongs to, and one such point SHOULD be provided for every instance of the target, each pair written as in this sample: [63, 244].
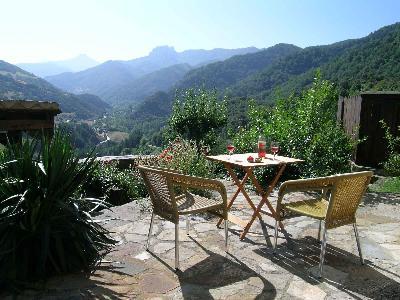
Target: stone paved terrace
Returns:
[250, 270]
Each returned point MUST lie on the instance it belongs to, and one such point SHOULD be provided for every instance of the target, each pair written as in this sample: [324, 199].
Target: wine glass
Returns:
[274, 148]
[230, 147]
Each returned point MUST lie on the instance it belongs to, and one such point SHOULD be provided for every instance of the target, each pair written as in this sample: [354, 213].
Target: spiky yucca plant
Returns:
[45, 228]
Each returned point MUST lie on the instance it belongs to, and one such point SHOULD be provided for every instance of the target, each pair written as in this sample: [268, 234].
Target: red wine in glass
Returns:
[274, 148]
[230, 148]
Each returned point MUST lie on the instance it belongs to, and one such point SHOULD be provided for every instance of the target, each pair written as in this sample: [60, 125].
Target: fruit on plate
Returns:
[258, 159]
[250, 159]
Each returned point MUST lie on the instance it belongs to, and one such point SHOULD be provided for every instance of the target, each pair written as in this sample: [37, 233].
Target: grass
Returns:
[118, 136]
[387, 185]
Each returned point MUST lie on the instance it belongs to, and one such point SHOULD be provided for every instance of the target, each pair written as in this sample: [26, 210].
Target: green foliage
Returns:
[116, 186]
[145, 130]
[182, 155]
[45, 226]
[226, 73]
[387, 185]
[392, 164]
[82, 136]
[306, 128]
[196, 114]
[366, 64]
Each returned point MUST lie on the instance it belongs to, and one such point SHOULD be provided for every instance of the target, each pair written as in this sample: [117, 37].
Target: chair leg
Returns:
[150, 230]
[358, 242]
[177, 246]
[322, 255]
[187, 224]
[275, 236]
[226, 235]
[319, 230]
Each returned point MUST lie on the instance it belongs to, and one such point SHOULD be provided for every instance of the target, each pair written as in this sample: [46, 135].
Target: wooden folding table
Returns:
[240, 161]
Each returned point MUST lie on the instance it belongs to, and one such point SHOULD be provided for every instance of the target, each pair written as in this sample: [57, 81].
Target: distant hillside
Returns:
[267, 80]
[157, 105]
[17, 84]
[369, 63]
[226, 73]
[138, 89]
[76, 64]
[113, 74]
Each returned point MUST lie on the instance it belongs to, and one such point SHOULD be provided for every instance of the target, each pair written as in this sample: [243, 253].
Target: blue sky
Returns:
[42, 30]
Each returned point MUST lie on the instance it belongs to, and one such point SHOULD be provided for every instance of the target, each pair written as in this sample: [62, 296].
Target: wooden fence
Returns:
[361, 116]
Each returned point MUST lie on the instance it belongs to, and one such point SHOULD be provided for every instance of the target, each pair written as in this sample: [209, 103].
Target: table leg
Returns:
[264, 199]
[240, 185]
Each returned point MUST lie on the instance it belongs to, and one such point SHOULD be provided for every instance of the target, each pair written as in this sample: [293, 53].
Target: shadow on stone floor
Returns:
[72, 286]
[219, 271]
[342, 269]
[377, 198]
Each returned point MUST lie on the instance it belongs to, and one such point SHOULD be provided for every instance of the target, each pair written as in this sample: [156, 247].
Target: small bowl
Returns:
[258, 159]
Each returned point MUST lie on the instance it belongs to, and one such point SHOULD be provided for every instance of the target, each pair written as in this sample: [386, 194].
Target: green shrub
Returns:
[116, 186]
[306, 128]
[45, 227]
[386, 185]
[182, 155]
[196, 114]
[392, 164]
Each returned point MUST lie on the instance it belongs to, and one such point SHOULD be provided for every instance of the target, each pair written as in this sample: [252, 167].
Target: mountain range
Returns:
[76, 64]
[108, 79]
[369, 63]
[17, 84]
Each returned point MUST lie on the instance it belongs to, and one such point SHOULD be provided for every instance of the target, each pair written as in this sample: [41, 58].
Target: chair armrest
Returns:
[187, 181]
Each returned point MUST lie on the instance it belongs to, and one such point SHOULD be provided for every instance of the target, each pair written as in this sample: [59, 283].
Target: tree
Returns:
[306, 128]
[196, 114]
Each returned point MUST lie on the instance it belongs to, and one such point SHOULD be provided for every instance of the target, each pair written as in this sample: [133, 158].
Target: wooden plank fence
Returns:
[361, 115]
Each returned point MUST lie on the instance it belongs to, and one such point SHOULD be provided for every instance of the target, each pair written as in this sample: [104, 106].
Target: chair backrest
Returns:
[159, 186]
[346, 194]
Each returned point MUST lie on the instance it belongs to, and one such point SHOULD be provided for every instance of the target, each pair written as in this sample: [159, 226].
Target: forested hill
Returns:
[219, 75]
[17, 84]
[369, 63]
[226, 73]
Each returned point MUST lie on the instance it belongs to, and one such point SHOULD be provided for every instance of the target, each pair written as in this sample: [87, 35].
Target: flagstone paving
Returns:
[250, 270]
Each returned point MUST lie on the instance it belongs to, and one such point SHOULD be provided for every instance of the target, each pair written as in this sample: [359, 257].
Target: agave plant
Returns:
[45, 227]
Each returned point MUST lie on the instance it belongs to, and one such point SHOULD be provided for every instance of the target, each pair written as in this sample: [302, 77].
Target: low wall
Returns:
[125, 161]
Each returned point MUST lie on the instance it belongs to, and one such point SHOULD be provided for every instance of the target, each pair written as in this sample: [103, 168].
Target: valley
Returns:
[129, 102]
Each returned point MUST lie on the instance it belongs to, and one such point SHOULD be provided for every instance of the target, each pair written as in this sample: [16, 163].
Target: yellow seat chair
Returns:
[336, 206]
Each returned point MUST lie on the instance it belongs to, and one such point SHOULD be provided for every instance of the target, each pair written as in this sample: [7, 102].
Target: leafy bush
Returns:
[182, 155]
[392, 164]
[306, 128]
[196, 114]
[386, 185]
[116, 186]
[45, 227]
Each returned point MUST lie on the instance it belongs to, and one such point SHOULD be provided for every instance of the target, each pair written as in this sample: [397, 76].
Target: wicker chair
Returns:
[161, 184]
[337, 205]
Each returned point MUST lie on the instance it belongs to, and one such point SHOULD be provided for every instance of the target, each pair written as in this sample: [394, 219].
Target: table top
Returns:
[240, 160]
